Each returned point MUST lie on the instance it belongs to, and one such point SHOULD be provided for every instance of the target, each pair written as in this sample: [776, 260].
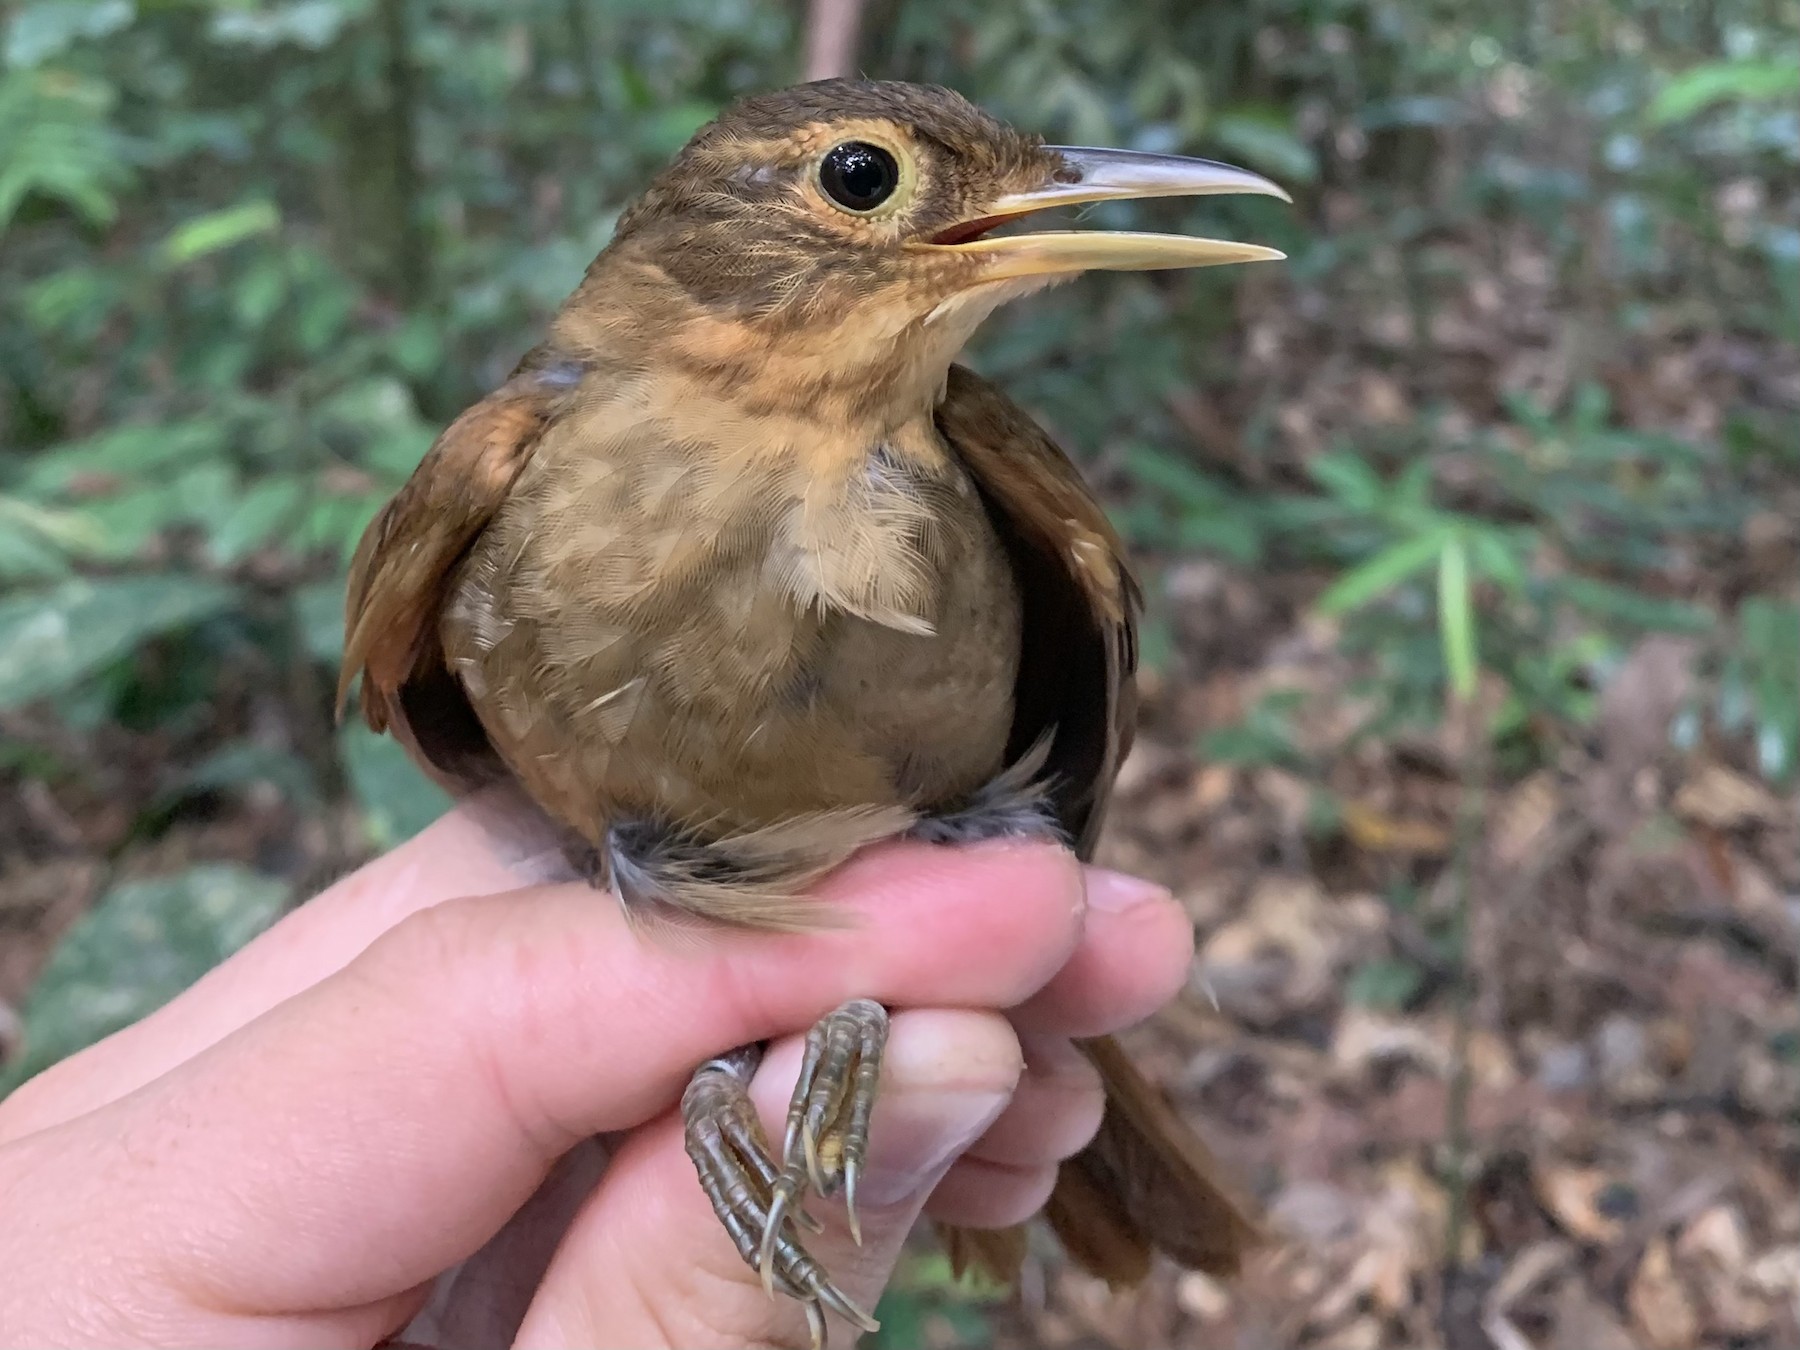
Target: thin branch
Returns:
[832, 28]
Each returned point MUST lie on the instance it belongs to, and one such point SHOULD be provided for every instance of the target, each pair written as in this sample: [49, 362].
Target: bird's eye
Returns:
[858, 176]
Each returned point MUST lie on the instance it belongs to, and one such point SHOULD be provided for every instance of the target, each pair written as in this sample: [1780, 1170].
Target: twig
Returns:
[832, 28]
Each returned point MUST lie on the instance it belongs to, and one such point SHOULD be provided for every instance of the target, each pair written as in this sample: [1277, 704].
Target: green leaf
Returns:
[52, 639]
[310, 24]
[243, 764]
[219, 230]
[134, 451]
[1263, 139]
[1767, 662]
[1496, 558]
[397, 800]
[140, 946]
[319, 612]
[38, 32]
[1456, 617]
[1718, 81]
[254, 518]
[197, 495]
[1348, 478]
[1605, 600]
[71, 531]
[56, 143]
[1384, 985]
[1382, 573]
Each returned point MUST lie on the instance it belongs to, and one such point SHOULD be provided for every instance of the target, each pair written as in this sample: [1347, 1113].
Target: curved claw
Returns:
[765, 1255]
[760, 1202]
[852, 1171]
[835, 1299]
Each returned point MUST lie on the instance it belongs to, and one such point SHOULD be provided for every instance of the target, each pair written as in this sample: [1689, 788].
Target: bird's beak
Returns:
[1098, 176]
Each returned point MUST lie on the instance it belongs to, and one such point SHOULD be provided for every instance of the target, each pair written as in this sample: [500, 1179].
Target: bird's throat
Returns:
[868, 360]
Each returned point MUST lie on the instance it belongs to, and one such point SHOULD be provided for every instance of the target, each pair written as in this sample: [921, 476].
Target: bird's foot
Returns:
[761, 1201]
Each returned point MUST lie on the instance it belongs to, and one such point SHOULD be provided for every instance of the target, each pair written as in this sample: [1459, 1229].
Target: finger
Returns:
[976, 1193]
[1006, 1176]
[647, 1264]
[1141, 946]
[380, 1126]
[1054, 1113]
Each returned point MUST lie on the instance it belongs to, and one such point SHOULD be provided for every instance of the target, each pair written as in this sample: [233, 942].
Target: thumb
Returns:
[646, 1263]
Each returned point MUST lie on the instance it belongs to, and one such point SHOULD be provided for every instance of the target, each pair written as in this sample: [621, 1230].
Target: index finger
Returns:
[378, 1127]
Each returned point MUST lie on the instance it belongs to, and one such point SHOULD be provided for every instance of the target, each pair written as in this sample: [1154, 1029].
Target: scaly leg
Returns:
[826, 1142]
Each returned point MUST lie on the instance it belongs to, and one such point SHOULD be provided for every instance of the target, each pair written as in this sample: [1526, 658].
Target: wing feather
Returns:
[1147, 1181]
[403, 567]
[1081, 603]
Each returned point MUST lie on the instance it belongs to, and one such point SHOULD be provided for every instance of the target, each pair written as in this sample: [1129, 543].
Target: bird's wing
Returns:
[1081, 604]
[1147, 1182]
[402, 570]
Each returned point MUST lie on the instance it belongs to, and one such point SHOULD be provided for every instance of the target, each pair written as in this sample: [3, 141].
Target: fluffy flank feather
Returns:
[753, 879]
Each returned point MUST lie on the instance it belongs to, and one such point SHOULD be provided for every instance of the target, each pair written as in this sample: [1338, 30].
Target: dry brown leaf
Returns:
[1659, 1305]
[1367, 1039]
[1373, 829]
[1530, 1269]
[1522, 825]
[1213, 787]
[1363, 1334]
[1278, 958]
[1572, 1195]
[1202, 1297]
[1777, 1273]
[1716, 1235]
[1721, 799]
[1582, 1322]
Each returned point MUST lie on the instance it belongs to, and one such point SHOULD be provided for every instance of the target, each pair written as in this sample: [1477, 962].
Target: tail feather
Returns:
[1146, 1183]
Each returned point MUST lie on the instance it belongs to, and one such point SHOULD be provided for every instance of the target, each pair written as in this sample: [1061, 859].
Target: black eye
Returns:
[859, 176]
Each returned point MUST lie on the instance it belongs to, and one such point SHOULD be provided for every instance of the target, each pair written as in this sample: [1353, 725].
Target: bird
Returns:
[740, 570]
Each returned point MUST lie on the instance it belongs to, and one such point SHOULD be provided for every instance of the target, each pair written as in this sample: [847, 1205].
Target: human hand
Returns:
[292, 1152]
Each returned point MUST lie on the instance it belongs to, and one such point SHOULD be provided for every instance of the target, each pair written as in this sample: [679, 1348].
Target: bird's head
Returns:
[856, 217]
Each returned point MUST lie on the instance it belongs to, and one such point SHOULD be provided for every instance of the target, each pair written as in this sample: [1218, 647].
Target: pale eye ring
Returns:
[859, 176]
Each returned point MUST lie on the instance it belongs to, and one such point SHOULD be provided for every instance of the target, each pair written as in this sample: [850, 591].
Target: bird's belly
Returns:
[700, 693]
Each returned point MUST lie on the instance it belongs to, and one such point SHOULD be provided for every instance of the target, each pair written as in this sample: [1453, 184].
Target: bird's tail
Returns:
[1146, 1183]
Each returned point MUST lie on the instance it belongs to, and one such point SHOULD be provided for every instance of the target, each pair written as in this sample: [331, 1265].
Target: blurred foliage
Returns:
[254, 252]
[926, 1304]
[141, 945]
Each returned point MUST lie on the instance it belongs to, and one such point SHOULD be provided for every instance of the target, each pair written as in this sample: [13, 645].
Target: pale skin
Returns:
[291, 1152]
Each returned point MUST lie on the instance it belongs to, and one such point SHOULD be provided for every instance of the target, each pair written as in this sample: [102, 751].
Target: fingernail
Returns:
[1115, 891]
[923, 1137]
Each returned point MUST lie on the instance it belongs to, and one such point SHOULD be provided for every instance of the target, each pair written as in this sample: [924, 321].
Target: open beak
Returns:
[1101, 176]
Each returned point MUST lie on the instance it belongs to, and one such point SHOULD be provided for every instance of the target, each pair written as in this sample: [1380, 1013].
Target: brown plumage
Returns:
[738, 572]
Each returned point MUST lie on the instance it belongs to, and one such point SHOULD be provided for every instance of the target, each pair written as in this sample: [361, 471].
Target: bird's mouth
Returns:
[1087, 175]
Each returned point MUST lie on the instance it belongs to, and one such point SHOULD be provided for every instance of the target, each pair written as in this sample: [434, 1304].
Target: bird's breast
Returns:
[685, 612]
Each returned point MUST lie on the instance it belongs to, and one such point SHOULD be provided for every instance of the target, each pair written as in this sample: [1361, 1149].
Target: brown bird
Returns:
[738, 572]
